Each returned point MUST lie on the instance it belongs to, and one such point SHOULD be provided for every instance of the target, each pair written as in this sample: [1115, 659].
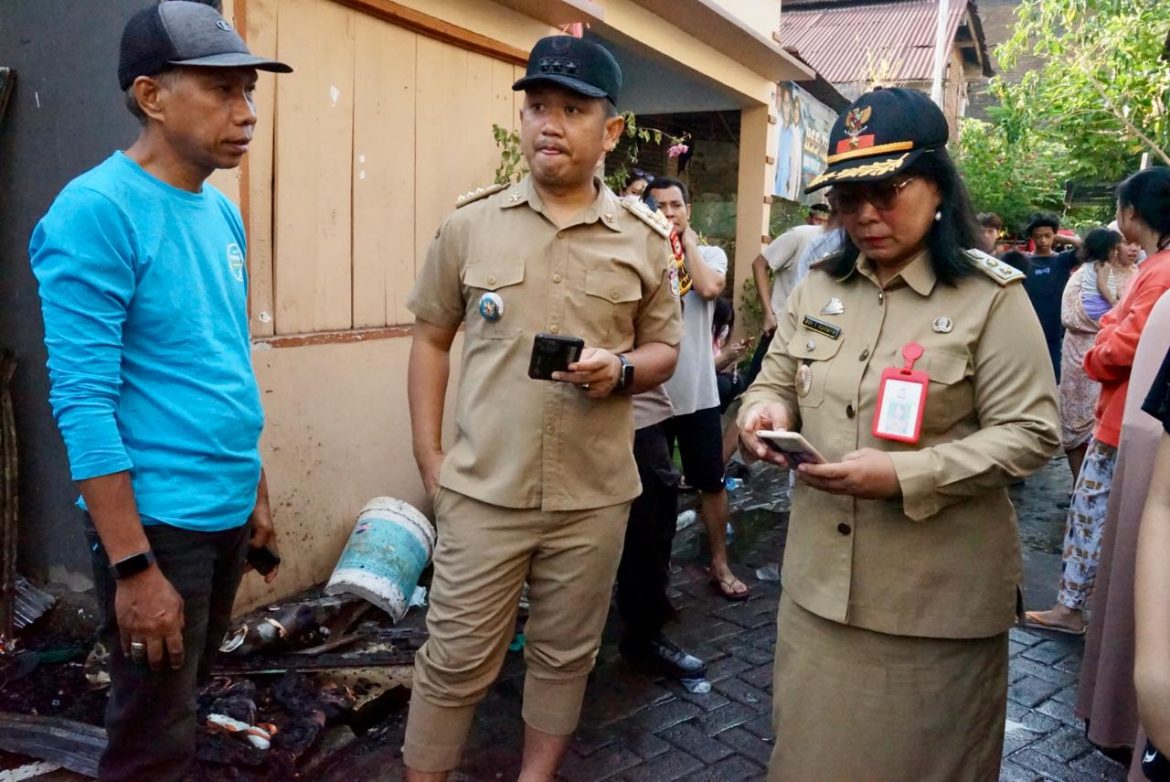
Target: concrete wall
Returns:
[65, 116]
[337, 434]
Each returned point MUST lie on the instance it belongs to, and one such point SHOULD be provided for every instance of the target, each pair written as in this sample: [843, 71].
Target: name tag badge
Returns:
[821, 327]
[901, 399]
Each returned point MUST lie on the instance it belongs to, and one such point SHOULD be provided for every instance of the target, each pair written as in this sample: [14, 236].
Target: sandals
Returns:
[1033, 620]
[726, 587]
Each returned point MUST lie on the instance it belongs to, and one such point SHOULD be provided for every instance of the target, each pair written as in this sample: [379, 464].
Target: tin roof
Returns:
[849, 42]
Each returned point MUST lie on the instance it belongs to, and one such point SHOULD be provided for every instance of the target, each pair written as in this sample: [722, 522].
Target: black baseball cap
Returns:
[574, 63]
[881, 133]
[179, 32]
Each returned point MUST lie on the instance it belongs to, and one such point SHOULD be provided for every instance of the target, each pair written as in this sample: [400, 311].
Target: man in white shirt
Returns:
[693, 391]
[781, 256]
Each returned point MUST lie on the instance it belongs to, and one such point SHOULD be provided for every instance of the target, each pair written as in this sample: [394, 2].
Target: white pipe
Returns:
[941, 51]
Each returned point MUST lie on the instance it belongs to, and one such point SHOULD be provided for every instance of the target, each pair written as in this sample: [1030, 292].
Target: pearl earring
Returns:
[938, 215]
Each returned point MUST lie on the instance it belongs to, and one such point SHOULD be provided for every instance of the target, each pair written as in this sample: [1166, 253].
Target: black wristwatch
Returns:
[132, 565]
[625, 376]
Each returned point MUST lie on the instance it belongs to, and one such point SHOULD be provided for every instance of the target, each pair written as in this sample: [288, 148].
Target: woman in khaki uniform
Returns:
[918, 370]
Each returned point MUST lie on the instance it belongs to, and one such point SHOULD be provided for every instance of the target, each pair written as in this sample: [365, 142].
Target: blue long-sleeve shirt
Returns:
[145, 305]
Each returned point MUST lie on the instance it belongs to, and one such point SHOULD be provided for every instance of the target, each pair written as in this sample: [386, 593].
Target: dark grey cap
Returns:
[179, 32]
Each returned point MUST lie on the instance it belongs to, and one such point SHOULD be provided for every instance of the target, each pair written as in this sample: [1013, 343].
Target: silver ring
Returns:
[137, 650]
[585, 386]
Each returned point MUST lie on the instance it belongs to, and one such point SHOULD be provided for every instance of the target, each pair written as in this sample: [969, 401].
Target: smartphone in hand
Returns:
[793, 445]
[553, 353]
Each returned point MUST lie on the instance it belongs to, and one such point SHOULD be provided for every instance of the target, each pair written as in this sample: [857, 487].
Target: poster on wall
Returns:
[804, 125]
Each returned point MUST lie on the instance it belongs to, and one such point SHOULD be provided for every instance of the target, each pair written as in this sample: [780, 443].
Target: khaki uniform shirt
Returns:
[943, 559]
[524, 443]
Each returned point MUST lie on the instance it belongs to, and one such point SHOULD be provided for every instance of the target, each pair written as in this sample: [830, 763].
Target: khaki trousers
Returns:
[483, 556]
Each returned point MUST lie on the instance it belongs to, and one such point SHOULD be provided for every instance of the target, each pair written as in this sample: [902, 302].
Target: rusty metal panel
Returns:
[845, 44]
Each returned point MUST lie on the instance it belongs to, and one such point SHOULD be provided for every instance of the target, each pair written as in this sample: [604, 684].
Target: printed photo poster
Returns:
[804, 125]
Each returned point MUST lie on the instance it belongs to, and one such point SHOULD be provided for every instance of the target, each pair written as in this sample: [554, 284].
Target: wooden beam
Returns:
[434, 27]
[558, 13]
[333, 337]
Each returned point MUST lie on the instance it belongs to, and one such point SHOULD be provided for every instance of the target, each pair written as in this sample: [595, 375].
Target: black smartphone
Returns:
[553, 353]
[262, 559]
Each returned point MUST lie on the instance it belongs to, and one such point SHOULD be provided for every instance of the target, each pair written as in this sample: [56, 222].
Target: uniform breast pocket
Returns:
[814, 354]
[950, 398]
[612, 295]
[493, 300]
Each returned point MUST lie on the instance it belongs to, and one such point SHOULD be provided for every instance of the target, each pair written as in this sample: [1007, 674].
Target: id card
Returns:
[901, 399]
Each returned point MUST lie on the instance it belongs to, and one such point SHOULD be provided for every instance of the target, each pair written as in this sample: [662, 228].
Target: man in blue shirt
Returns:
[141, 267]
[1046, 274]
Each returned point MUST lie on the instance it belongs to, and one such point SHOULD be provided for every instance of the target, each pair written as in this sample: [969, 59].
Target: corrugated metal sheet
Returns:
[849, 44]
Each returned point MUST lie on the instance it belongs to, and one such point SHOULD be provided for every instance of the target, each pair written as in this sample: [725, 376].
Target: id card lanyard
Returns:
[901, 399]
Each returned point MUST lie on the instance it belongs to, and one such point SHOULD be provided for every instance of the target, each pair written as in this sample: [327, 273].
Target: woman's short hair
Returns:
[1098, 245]
[1148, 192]
[950, 236]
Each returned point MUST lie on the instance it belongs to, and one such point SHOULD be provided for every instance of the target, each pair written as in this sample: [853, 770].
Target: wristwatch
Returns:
[625, 376]
[132, 565]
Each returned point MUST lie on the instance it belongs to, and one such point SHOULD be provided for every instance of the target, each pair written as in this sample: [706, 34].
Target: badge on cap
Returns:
[834, 307]
[491, 307]
[942, 325]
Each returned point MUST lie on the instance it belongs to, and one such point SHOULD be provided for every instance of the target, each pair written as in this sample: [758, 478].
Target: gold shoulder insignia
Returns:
[1001, 272]
[478, 193]
[656, 220]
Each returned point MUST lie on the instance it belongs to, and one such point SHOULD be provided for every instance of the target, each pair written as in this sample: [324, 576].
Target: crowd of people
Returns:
[918, 370]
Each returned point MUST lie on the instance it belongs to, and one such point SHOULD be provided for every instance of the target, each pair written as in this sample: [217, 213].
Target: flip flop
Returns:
[726, 588]
[1033, 621]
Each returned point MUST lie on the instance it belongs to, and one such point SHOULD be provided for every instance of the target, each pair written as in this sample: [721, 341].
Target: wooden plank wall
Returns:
[359, 155]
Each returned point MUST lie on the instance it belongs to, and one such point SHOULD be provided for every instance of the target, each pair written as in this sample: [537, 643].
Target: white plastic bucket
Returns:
[390, 545]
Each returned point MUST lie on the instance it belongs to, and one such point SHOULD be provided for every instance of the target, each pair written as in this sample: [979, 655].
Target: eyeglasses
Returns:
[883, 196]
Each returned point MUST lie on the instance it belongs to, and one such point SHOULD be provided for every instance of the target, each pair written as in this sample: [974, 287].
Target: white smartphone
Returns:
[793, 445]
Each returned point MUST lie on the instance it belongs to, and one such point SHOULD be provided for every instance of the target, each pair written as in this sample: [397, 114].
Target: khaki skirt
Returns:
[852, 705]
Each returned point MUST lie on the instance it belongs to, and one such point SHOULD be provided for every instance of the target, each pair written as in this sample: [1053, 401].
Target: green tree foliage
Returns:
[1103, 87]
[1011, 178]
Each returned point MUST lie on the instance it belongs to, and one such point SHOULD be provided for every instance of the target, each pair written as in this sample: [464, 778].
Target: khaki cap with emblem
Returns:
[880, 134]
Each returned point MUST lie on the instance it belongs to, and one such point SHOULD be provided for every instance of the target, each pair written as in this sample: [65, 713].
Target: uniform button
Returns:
[549, 429]
[844, 528]
[850, 411]
[555, 329]
[881, 296]
[556, 278]
[613, 294]
[491, 280]
[864, 355]
[810, 345]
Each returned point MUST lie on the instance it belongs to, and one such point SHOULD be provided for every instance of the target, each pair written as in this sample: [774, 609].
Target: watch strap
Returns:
[625, 375]
[132, 565]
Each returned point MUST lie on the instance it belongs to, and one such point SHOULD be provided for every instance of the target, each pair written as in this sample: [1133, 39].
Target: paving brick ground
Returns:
[637, 727]
[641, 728]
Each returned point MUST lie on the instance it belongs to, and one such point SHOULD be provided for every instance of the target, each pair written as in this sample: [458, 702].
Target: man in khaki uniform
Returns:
[538, 482]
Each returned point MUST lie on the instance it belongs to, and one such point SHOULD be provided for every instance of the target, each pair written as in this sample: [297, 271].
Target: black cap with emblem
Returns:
[574, 63]
[881, 133]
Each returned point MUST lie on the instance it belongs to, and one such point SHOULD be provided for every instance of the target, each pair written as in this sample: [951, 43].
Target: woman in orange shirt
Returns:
[1143, 215]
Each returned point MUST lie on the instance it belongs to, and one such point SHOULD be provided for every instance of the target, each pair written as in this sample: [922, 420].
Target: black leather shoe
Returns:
[663, 656]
